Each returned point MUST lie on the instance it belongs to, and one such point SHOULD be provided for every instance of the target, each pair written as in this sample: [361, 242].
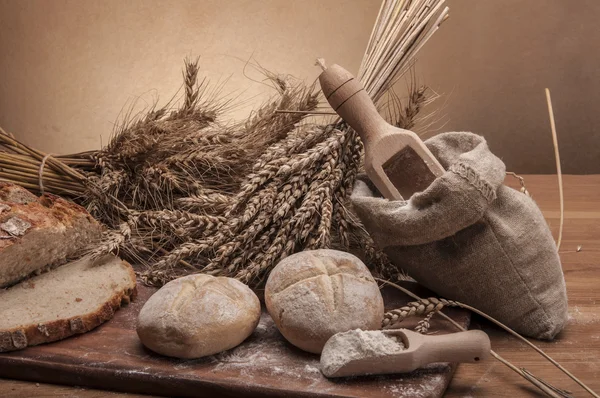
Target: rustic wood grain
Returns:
[578, 347]
[17, 388]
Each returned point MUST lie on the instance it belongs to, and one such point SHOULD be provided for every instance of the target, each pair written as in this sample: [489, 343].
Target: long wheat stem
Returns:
[558, 168]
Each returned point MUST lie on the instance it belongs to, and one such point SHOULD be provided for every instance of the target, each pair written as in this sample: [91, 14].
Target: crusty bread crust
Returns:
[198, 315]
[30, 335]
[37, 233]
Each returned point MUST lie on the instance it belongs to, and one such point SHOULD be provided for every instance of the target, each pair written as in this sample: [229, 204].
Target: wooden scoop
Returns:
[396, 160]
[358, 352]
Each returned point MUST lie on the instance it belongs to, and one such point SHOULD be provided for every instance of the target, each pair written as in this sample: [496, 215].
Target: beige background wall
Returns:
[493, 59]
[68, 68]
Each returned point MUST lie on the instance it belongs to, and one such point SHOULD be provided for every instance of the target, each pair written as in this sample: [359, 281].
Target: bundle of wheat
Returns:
[182, 192]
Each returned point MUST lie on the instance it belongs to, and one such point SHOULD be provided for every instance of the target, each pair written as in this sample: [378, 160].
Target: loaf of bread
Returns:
[198, 315]
[313, 295]
[36, 233]
[72, 299]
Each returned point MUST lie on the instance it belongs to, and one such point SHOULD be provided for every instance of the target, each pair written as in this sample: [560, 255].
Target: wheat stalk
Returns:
[401, 29]
[558, 168]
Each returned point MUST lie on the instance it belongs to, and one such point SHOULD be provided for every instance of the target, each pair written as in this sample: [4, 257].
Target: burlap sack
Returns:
[469, 238]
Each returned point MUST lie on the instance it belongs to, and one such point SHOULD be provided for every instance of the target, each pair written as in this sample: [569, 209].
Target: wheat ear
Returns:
[416, 308]
[424, 324]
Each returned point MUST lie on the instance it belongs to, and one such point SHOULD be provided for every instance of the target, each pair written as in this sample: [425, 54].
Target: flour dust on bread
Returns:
[39, 232]
[315, 294]
[72, 299]
[198, 315]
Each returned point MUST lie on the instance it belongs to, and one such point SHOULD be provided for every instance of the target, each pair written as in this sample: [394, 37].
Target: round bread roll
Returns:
[315, 294]
[198, 315]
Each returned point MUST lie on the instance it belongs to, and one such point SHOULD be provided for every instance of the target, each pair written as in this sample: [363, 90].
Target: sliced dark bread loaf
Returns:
[71, 299]
[39, 232]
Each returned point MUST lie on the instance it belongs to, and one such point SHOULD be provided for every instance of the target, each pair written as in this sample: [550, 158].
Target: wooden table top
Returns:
[577, 348]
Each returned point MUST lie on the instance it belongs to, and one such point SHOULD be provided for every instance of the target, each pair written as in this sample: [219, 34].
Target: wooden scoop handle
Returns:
[469, 346]
[348, 98]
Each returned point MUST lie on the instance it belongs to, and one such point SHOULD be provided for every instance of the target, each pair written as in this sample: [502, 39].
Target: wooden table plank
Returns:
[578, 347]
[16, 388]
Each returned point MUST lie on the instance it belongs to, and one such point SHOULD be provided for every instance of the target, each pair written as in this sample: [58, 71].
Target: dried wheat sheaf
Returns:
[184, 194]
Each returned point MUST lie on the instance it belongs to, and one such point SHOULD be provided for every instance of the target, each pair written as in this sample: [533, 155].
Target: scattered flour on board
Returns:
[422, 390]
[266, 353]
[576, 316]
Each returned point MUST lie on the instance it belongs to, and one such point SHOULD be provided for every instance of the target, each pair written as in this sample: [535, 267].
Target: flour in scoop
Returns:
[355, 345]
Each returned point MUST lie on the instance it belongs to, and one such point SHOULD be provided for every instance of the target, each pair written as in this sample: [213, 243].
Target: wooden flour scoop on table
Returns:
[396, 160]
[359, 352]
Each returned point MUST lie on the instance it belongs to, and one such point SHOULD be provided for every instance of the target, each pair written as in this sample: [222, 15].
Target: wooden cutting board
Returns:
[112, 357]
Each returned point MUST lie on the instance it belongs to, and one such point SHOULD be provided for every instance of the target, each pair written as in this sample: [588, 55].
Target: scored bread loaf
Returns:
[39, 232]
[71, 299]
[315, 294]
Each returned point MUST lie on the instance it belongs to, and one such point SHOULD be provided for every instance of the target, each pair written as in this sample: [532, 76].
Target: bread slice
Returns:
[39, 232]
[73, 298]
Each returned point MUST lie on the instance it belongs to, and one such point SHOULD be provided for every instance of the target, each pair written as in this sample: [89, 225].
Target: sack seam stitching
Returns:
[473, 178]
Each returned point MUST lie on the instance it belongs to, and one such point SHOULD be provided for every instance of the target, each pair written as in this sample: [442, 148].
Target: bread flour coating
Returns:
[315, 294]
[198, 315]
